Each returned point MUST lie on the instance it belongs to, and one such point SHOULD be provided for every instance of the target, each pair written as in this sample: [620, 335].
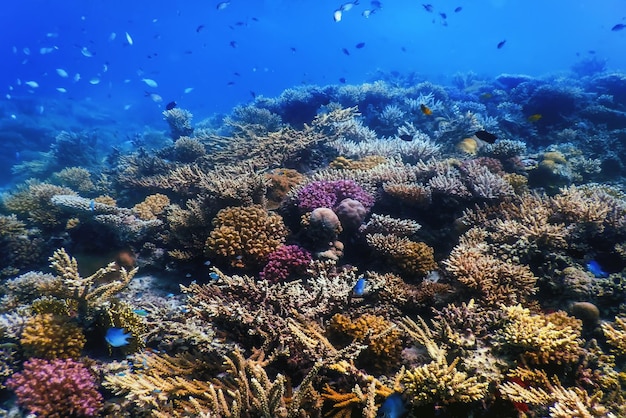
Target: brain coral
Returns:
[328, 193]
[56, 388]
[245, 236]
[51, 336]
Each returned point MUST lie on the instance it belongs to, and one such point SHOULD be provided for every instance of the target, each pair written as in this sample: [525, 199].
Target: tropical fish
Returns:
[47, 50]
[501, 44]
[76, 77]
[188, 90]
[337, 14]
[150, 82]
[596, 269]
[425, 109]
[486, 136]
[376, 4]
[535, 117]
[61, 90]
[129, 39]
[619, 26]
[222, 5]
[360, 45]
[458, 9]
[140, 312]
[392, 407]
[347, 6]
[213, 275]
[116, 337]
[366, 13]
[32, 84]
[171, 105]
[233, 44]
[94, 81]
[92, 205]
[86, 52]
[199, 28]
[428, 7]
[345, 51]
[443, 15]
[406, 137]
[154, 97]
[342, 80]
[112, 36]
[359, 287]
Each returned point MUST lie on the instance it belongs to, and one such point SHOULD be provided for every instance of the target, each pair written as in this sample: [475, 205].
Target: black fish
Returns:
[617, 27]
[486, 136]
[406, 137]
[342, 80]
[501, 44]
[253, 94]
[428, 7]
[199, 28]
[458, 9]
[293, 50]
[360, 45]
[345, 51]
[443, 15]
[233, 44]
[171, 105]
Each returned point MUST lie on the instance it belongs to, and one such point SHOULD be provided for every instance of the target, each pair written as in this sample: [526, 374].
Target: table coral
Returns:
[51, 336]
[56, 389]
[246, 236]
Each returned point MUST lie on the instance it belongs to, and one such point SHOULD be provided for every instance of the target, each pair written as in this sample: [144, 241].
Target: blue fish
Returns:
[141, 312]
[116, 337]
[213, 275]
[359, 287]
[594, 268]
[393, 407]
[92, 205]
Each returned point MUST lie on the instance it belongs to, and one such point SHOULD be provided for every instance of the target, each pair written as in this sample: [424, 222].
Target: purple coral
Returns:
[56, 388]
[327, 193]
[284, 262]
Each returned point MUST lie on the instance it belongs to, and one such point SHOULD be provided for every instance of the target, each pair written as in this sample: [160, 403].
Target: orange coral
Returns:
[409, 256]
[152, 206]
[280, 182]
[52, 336]
[246, 235]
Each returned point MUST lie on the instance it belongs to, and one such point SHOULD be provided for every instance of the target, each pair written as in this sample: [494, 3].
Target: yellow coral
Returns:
[246, 235]
[365, 163]
[616, 334]
[409, 256]
[50, 336]
[152, 206]
[440, 382]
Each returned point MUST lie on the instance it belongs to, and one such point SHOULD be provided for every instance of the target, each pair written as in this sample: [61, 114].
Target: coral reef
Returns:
[286, 261]
[50, 336]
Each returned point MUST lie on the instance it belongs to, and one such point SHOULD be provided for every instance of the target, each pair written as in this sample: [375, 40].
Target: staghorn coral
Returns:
[245, 236]
[152, 206]
[188, 150]
[52, 336]
[615, 334]
[413, 258]
[179, 121]
[410, 194]
[56, 388]
[387, 225]
[541, 339]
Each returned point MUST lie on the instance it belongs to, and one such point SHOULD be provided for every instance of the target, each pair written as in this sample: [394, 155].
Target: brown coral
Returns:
[34, 202]
[152, 206]
[50, 336]
[246, 236]
[415, 258]
[279, 182]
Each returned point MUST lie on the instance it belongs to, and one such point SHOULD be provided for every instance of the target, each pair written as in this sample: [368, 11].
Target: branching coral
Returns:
[414, 258]
[246, 236]
[285, 262]
[179, 121]
[616, 334]
[56, 389]
[34, 202]
[152, 206]
[76, 178]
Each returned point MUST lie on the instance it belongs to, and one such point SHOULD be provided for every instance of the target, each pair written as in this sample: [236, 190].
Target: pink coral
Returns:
[327, 193]
[285, 262]
[56, 388]
[351, 213]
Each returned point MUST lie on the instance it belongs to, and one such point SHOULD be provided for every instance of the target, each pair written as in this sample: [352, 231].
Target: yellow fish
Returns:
[535, 117]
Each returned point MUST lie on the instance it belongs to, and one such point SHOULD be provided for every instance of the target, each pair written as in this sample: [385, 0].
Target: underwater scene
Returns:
[326, 209]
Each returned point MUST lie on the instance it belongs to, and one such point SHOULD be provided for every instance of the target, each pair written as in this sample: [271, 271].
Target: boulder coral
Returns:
[52, 336]
[245, 236]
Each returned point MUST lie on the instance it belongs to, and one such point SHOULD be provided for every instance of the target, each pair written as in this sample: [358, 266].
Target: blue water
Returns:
[251, 48]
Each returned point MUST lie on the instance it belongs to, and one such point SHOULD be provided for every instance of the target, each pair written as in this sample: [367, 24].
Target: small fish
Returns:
[342, 80]
[347, 6]
[406, 137]
[169, 295]
[207, 263]
[32, 84]
[199, 28]
[233, 44]
[94, 81]
[367, 13]
[619, 26]
[86, 52]
[376, 4]
[76, 77]
[112, 36]
[534, 118]
[222, 5]
[428, 7]
[213, 275]
[129, 39]
[443, 15]
[501, 44]
[52, 35]
[92, 205]
[486, 96]
[171, 105]
[154, 97]
[486, 136]
[360, 45]
[337, 14]
[392, 407]
[188, 90]
[105, 67]
[140, 312]
[359, 288]
[425, 109]
[458, 9]
[116, 337]
[150, 82]
[17, 155]
[26, 51]
[47, 50]
[345, 51]
[594, 268]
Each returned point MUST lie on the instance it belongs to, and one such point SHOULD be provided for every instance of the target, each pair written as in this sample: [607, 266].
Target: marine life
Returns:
[92, 205]
[116, 337]
[342, 80]
[188, 90]
[154, 97]
[428, 7]
[425, 109]
[213, 275]
[345, 51]
[233, 44]
[349, 5]
[337, 14]
[596, 269]
[129, 39]
[86, 52]
[534, 118]
[222, 5]
[32, 84]
[443, 15]
[171, 105]
[359, 288]
[486, 136]
[360, 45]
[61, 89]
[392, 407]
[501, 44]
[94, 80]
[618, 27]
[366, 13]
[199, 28]
[150, 83]
[140, 312]
[406, 137]
[458, 9]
